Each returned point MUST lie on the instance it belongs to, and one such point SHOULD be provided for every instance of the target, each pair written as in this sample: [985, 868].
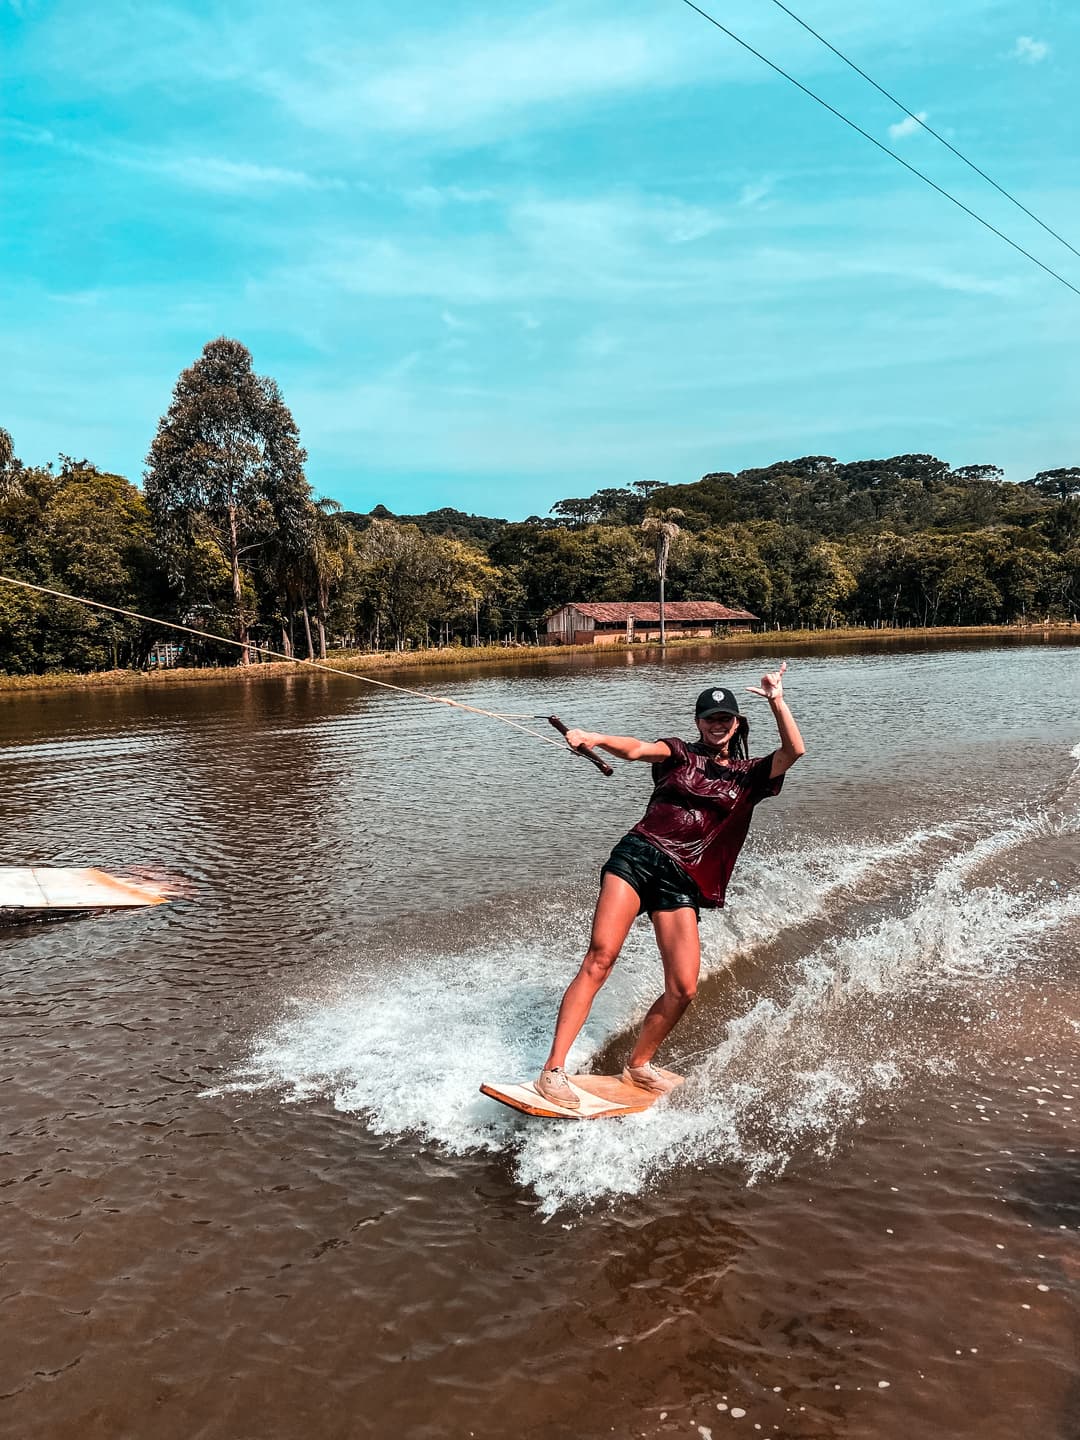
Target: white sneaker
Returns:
[648, 1077]
[554, 1086]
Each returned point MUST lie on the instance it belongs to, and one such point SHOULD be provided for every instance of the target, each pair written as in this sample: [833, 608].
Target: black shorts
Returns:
[661, 884]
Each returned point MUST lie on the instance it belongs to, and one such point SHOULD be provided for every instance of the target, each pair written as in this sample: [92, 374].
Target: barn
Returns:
[609, 622]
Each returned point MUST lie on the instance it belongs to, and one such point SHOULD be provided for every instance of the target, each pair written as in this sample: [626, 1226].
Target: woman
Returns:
[678, 858]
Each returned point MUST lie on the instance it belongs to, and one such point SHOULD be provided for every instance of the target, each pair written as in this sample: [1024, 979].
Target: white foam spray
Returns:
[407, 1047]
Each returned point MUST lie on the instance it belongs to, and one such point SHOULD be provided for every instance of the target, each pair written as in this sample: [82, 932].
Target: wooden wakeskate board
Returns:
[602, 1096]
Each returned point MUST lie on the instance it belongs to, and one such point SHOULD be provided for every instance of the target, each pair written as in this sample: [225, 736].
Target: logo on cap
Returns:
[718, 696]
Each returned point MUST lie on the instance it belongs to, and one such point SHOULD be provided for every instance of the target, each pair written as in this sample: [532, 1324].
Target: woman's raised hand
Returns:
[772, 686]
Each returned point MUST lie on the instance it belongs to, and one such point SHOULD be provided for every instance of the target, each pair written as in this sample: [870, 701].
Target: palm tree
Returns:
[662, 529]
[329, 538]
[9, 468]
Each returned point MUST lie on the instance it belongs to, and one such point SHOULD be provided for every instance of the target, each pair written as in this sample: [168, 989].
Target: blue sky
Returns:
[497, 255]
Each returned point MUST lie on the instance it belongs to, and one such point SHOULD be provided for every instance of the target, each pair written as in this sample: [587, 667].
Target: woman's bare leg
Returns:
[616, 910]
[680, 949]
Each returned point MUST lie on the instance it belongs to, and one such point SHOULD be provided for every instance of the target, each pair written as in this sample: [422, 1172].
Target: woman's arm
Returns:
[624, 746]
[791, 742]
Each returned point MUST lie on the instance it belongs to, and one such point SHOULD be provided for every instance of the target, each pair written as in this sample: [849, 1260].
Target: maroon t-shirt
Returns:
[700, 809]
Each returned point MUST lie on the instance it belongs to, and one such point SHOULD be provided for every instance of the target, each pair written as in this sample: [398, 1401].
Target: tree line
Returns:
[227, 535]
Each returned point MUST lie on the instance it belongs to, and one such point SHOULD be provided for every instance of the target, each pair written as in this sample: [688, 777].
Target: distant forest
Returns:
[227, 535]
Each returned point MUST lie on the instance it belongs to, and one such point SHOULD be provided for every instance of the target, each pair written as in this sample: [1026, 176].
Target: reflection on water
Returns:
[253, 1189]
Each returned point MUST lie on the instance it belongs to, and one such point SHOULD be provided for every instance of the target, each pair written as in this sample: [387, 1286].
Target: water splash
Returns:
[407, 1047]
[794, 1077]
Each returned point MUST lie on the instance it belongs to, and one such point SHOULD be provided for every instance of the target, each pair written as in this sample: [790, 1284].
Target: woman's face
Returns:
[717, 730]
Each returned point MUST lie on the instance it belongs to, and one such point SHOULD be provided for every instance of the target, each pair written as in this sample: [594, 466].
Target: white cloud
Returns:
[434, 197]
[571, 259]
[464, 73]
[616, 246]
[202, 172]
[599, 343]
[752, 195]
[207, 172]
[908, 126]
[513, 72]
[477, 80]
[79, 297]
[908, 269]
[612, 227]
[454, 323]
[1030, 51]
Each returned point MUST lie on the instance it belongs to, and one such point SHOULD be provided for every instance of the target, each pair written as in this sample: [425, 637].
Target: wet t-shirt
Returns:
[700, 809]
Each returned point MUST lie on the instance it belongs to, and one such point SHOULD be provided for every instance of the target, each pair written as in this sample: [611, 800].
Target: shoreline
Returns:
[464, 656]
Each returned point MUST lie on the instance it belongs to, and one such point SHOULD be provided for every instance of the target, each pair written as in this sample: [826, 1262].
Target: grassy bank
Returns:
[770, 641]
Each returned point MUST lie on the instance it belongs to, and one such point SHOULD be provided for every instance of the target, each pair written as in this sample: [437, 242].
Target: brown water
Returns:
[249, 1189]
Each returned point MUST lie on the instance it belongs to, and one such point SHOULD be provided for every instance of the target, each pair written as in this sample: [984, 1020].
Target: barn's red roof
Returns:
[648, 611]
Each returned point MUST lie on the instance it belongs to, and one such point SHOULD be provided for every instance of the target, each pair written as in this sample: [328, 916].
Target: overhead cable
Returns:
[928, 128]
[292, 659]
[883, 148]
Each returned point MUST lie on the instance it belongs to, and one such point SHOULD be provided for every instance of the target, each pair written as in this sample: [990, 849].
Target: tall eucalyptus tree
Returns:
[226, 466]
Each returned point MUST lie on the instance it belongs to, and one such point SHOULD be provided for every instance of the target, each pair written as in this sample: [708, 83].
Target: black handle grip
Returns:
[601, 765]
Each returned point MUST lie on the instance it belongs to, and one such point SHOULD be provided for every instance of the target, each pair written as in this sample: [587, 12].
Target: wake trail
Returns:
[795, 1076]
[406, 1049]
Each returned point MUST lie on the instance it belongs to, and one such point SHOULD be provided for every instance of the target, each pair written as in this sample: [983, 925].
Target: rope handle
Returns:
[512, 720]
[601, 765]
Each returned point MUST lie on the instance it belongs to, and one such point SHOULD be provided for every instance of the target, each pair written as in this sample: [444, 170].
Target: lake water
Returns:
[249, 1189]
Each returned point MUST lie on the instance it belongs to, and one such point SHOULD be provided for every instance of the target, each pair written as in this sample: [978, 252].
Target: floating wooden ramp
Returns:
[58, 890]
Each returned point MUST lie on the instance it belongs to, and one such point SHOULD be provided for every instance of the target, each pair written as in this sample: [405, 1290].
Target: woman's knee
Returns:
[599, 962]
[683, 992]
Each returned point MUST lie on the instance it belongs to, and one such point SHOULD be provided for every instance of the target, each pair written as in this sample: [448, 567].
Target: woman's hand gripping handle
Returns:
[601, 765]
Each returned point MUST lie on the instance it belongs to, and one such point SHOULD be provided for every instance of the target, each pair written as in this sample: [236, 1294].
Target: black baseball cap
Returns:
[716, 701]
